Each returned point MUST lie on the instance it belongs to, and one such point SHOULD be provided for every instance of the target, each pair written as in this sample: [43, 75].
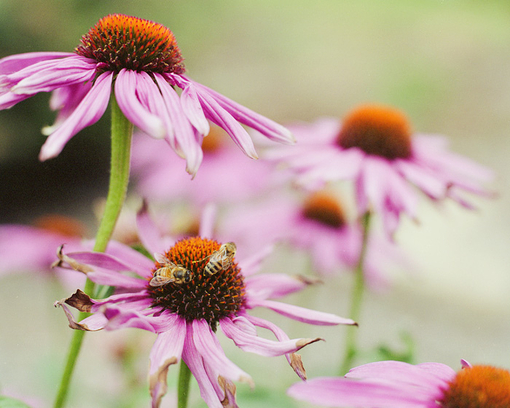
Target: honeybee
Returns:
[221, 259]
[169, 272]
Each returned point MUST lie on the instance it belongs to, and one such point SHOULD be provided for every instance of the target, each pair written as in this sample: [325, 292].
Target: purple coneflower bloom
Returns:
[141, 62]
[393, 384]
[31, 248]
[225, 174]
[185, 314]
[316, 223]
[374, 147]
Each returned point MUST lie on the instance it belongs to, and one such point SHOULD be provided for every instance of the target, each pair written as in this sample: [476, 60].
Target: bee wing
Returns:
[161, 258]
[159, 280]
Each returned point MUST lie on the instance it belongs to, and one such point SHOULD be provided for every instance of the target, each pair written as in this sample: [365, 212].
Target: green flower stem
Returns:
[183, 386]
[357, 297]
[121, 134]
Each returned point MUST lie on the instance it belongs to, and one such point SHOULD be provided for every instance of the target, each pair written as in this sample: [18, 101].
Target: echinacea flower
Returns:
[225, 174]
[393, 384]
[141, 62]
[31, 248]
[375, 148]
[316, 223]
[186, 312]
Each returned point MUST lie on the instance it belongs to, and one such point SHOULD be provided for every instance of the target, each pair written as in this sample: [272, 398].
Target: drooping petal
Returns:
[90, 109]
[166, 351]
[247, 341]
[301, 314]
[130, 103]
[17, 62]
[267, 127]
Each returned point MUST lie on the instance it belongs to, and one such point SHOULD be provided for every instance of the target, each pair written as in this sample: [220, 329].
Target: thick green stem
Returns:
[357, 297]
[121, 132]
[183, 386]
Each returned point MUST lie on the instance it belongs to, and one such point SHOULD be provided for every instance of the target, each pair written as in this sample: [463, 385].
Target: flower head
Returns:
[140, 59]
[375, 147]
[180, 299]
[401, 385]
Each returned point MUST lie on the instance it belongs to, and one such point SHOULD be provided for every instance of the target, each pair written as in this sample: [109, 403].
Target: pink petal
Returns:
[166, 351]
[275, 285]
[17, 62]
[131, 103]
[247, 341]
[148, 231]
[342, 392]
[301, 314]
[90, 109]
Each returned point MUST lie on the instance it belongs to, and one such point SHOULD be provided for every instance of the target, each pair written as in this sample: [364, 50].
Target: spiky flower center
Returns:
[208, 297]
[118, 41]
[377, 130]
[478, 387]
[324, 209]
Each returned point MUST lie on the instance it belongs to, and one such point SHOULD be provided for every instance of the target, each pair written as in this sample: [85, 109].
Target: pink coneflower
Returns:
[375, 147]
[31, 248]
[225, 175]
[392, 384]
[316, 223]
[141, 62]
[186, 313]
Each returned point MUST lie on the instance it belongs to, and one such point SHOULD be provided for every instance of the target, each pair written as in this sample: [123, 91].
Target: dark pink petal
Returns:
[120, 318]
[301, 314]
[342, 392]
[9, 99]
[236, 330]
[131, 103]
[88, 112]
[137, 262]
[193, 110]
[166, 351]
[17, 62]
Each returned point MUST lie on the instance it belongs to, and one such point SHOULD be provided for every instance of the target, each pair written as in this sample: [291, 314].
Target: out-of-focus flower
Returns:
[141, 62]
[225, 174]
[185, 306]
[401, 385]
[32, 248]
[317, 224]
[375, 148]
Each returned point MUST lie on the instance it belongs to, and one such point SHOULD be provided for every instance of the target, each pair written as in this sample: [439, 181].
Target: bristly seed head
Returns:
[478, 387]
[377, 130]
[208, 297]
[118, 41]
[325, 209]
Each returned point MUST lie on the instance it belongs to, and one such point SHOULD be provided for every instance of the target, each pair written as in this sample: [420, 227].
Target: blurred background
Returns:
[445, 63]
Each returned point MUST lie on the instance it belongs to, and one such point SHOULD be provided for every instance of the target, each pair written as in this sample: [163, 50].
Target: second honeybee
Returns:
[169, 272]
[221, 259]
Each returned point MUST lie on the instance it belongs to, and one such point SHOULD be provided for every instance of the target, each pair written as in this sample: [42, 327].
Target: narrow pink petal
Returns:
[301, 314]
[245, 340]
[185, 138]
[92, 323]
[57, 74]
[193, 110]
[137, 262]
[252, 264]
[131, 103]
[149, 234]
[423, 178]
[195, 363]
[207, 221]
[9, 99]
[210, 349]
[90, 109]
[120, 318]
[100, 260]
[17, 62]
[342, 392]
[166, 351]
[275, 285]
[267, 127]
